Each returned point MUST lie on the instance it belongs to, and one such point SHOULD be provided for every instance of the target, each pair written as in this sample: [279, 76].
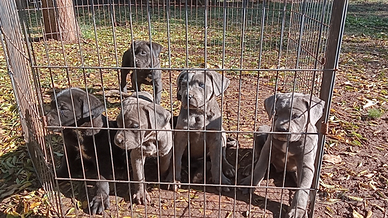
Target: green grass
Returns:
[375, 113]
[368, 17]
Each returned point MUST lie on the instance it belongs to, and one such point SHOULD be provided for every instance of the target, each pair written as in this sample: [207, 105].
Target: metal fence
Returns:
[263, 47]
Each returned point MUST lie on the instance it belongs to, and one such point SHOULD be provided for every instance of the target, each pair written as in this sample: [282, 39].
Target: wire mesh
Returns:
[259, 48]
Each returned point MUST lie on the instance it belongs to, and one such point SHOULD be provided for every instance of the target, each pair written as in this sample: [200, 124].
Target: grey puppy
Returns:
[292, 113]
[146, 56]
[142, 117]
[75, 107]
[197, 90]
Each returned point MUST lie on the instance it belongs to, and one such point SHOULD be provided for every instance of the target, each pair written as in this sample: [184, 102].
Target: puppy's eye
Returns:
[63, 108]
[202, 85]
[296, 116]
[143, 52]
[135, 126]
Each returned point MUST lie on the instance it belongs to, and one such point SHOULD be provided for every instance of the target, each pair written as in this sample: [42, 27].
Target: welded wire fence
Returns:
[259, 48]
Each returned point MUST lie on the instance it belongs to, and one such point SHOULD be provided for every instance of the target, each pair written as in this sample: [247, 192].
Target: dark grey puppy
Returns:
[197, 90]
[75, 107]
[142, 117]
[146, 56]
[295, 114]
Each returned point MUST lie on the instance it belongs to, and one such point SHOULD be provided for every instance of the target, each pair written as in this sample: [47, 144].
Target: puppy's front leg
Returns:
[123, 82]
[158, 89]
[140, 195]
[305, 177]
[180, 144]
[100, 202]
[216, 150]
[227, 168]
[260, 168]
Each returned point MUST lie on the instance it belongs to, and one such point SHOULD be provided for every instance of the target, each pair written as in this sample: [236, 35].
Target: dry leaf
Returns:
[357, 215]
[334, 159]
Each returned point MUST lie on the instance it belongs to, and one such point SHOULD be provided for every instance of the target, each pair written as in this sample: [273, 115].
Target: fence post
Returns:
[337, 25]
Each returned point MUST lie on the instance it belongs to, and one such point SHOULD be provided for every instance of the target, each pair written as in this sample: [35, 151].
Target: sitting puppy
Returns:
[197, 90]
[141, 118]
[75, 107]
[143, 59]
[295, 114]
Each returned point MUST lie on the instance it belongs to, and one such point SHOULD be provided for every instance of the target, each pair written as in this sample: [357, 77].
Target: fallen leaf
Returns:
[357, 215]
[354, 198]
[334, 159]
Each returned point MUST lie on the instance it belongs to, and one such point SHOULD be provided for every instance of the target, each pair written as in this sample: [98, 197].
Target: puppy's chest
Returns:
[86, 144]
[281, 146]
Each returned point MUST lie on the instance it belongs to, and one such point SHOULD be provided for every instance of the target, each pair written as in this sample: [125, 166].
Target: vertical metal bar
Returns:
[333, 48]
[205, 26]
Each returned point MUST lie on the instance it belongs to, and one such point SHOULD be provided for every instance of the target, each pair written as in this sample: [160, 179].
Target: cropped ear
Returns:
[220, 82]
[159, 117]
[269, 105]
[182, 77]
[96, 107]
[156, 48]
[316, 108]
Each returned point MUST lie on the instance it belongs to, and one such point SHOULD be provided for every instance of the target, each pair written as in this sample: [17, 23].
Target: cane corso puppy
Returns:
[293, 114]
[147, 133]
[197, 91]
[74, 107]
[146, 56]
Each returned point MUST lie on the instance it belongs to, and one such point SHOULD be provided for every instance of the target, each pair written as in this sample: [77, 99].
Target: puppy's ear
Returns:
[269, 105]
[182, 76]
[156, 48]
[220, 82]
[159, 117]
[316, 108]
[96, 107]
[128, 59]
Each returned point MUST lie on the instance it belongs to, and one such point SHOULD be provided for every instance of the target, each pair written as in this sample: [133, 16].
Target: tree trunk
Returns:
[59, 20]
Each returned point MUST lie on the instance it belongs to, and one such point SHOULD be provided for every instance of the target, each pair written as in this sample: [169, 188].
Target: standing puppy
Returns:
[197, 90]
[147, 133]
[146, 56]
[75, 107]
[295, 114]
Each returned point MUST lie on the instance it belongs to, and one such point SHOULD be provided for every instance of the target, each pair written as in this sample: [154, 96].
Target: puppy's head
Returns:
[137, 115]
[73, 102]
[195, 88]
[146, 55]
[293, 118]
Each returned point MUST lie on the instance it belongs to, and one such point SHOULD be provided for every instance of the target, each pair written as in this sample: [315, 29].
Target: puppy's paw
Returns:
[141, 197]
[297, 213]
[229, 170]
[174, 187]
[245, 181]
[98, 204]
[225, 181]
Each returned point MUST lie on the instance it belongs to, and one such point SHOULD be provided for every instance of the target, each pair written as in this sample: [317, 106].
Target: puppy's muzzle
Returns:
[281, 137]
[189, 101]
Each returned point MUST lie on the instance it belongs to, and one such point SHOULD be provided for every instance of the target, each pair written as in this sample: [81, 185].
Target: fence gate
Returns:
[239, 52]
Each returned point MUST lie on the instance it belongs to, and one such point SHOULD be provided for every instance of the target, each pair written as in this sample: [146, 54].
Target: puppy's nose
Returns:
[119, 138]
[281, 129]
